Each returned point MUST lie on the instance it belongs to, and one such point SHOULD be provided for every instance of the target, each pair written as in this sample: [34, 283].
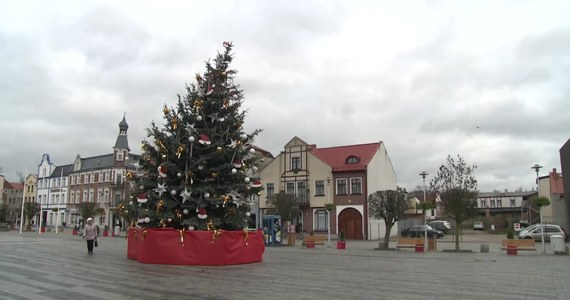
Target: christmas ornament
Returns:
[204, 139]
[252, 151]
[206, 195]
[173, 192]
[185, 195]
[190, 227]
[198, 104]
[191, 139]
[246, 180]
[165, 109]
[234, 171]
[199, 118]
[179, 174]
[142, 198]
[219, 149]
[237, 163]
[189, 128]
[202, 213]
[243, 136]
[161, 188]
[233, 144]
[210, 89]
[185, 211]
[247, 214]
[200, 167]
[162, 171]
[147, 220]
[255, 183]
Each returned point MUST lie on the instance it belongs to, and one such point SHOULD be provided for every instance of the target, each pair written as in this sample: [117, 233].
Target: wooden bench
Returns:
[313, 240]
[519, 245]
[406, 242]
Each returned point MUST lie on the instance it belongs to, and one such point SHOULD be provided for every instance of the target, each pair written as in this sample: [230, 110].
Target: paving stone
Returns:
[51, 266]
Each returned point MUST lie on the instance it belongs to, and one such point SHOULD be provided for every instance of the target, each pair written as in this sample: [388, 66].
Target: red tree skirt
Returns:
[200, 248]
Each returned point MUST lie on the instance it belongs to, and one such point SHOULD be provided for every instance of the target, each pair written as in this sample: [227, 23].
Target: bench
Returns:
[310, 241]
[406, 242]
[519, 245]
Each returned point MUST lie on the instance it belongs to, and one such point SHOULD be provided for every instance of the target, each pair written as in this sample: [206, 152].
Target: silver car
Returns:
[535, 232]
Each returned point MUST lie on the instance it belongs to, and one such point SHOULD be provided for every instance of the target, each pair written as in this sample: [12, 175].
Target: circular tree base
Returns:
[170, 246]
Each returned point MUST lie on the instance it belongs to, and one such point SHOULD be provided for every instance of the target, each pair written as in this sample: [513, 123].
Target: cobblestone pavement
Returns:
[51, 266]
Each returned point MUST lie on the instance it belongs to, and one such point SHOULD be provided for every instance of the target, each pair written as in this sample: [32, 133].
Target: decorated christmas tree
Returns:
[198, 171]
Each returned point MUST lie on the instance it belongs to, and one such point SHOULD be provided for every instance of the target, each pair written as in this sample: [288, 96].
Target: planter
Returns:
[420, 247]
[43, 229]
[74, 231]
[105, 233]
[341, 245]
[196, 247]
[512, 250]
[310, 244]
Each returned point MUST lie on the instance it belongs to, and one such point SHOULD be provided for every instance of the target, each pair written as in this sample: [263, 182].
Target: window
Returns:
[321, 220]
[290, 188]
[302, 191]
[72, 195]
[492, 202]
[84, 196]
[513, 203]
[319, 188]
[341, 186]
[499, 202]
[356, 186]
[352, 160]
[270, 189]
[483, 204]
[107, 175]
[295, 163]
[90, 195]
[119, 156]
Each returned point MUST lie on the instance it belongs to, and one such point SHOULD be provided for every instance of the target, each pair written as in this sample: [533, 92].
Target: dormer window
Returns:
[352, 160]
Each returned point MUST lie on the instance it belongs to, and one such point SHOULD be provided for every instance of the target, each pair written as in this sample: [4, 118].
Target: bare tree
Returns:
[389, 205]
[457, 189]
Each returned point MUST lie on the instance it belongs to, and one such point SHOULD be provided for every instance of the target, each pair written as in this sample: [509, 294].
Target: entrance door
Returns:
[350, 220]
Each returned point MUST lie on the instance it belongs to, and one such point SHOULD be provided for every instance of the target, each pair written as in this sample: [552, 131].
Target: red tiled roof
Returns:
[336, 156]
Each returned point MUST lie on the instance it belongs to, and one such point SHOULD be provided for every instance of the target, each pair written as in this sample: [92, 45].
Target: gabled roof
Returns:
[337, 157]
[58, 171]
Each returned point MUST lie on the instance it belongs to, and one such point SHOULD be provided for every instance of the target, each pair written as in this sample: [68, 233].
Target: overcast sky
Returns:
[487, 80]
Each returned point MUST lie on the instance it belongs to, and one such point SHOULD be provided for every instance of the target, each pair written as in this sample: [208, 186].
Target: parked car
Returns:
[439, 226]
[419, 230]
[478, 226]
[548, 230]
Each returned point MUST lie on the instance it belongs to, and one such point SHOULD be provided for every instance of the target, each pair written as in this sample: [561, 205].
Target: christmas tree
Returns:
[198, 171]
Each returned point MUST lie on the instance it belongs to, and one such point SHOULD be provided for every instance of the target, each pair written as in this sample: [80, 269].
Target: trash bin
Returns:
[557, 242]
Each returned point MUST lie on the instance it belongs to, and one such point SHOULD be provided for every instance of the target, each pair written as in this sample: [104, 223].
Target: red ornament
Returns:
[202, 214]
[204, 139]
[162, 171]
[256, 183]
[142, 198]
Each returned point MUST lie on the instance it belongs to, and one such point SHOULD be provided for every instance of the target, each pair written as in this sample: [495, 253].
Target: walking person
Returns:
[90, 234]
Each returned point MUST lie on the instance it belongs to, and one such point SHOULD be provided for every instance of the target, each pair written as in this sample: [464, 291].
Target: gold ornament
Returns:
[181, 234]
[226, 103]
[179, 151]
[159, 205]
[174, 123]
[226, 199]
[144, 233]
[165, 109]
[245, 235]
[198, 103]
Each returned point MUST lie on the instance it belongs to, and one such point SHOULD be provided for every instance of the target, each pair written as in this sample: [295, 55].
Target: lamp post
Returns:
[537, 167]
[424, 174]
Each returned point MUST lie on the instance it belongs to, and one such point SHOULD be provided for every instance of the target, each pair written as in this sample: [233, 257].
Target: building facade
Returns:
[342, 176]
[498, 208]
[102, 179]
[564, 204]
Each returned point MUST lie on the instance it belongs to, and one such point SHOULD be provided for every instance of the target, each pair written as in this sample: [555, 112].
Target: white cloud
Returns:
[485, 80]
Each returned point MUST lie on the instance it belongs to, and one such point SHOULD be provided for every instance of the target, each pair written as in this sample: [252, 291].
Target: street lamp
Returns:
[424, 174]
[537, 167]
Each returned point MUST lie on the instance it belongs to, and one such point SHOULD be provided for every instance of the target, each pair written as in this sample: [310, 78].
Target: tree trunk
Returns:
[457, 229]
[385, 243]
